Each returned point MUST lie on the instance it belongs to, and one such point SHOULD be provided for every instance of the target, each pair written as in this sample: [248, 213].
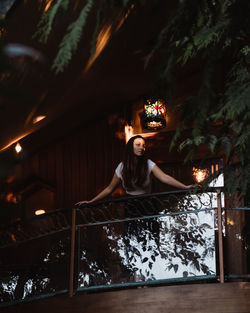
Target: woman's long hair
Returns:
[135, 168]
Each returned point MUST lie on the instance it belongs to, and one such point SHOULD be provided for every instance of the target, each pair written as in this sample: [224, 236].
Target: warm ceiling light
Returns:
[155, 114]
[39, 212]
[18, 148]
[48, 5]
[102, 40]
[129, 132]
[200, 174]
[38, 118]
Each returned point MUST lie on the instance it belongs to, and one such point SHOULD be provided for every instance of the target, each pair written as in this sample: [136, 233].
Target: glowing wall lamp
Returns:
[155, 114]
[200, 174]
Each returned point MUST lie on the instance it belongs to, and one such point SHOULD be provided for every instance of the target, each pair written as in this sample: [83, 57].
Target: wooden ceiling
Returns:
[116, 78]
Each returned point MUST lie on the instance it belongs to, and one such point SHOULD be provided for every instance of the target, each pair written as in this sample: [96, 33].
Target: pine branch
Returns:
[70, 41]
[46, 22]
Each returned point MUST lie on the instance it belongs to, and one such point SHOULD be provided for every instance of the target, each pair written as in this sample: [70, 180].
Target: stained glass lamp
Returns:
[155, 114]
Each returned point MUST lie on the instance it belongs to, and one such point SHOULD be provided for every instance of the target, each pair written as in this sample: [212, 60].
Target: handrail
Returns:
[155, 194]
[60, 219]
[113, 200]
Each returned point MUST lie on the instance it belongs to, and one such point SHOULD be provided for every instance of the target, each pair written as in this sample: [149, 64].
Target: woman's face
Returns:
[139, 146]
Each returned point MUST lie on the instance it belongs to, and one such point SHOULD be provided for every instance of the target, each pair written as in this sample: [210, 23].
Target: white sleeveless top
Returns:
[146, 188]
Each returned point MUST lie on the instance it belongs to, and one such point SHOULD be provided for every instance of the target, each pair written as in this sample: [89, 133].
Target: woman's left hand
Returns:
[194, 186]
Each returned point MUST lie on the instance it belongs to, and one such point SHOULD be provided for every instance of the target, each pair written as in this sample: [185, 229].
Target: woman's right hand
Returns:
[81, 202]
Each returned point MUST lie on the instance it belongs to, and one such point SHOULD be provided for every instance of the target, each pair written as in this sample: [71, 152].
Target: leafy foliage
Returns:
[216, 34]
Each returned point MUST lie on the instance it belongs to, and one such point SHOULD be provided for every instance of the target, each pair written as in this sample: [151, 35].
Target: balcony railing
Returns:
[125, 242]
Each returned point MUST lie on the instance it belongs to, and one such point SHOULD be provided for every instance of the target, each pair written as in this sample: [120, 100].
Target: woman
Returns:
[135, 172]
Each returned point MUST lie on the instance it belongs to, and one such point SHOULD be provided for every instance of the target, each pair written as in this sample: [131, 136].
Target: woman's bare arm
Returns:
[167, 179]
[107, 191]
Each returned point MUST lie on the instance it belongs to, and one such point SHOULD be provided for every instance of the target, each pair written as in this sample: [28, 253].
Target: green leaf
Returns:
[212, 141]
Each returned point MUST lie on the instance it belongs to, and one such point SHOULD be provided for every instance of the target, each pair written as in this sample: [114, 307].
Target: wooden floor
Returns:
[202, 298]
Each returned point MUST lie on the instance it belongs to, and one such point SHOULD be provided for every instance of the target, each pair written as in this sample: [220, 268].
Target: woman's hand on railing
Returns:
[194, 186]
[82, 202]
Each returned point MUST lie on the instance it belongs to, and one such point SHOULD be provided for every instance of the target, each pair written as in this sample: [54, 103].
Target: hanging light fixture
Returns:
[155, 114]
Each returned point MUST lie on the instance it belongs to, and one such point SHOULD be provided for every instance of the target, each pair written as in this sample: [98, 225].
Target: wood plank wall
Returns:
[198, 298]
[78, 165]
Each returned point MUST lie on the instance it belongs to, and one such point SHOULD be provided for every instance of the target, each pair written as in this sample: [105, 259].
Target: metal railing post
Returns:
[72, 253]
[220, 236]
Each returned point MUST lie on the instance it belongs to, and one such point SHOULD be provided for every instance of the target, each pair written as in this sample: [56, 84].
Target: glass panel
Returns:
[149, 248]
[35, 268]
